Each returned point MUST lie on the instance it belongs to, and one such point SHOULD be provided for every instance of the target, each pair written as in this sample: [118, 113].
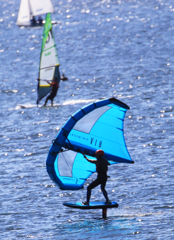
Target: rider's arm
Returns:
[90, 160]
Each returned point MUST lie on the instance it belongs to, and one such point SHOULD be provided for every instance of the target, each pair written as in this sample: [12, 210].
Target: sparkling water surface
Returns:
[107, 48]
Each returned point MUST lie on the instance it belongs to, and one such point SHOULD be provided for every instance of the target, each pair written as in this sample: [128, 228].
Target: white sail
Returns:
[39, 7]
[30, 8]
[24, 14]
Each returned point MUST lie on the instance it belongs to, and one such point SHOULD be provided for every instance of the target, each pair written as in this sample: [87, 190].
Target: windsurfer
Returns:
[55, 87]
[101, 168]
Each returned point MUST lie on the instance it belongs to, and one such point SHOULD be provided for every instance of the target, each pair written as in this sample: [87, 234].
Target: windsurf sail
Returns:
[30, 8]
[99, 125]
[49, 62]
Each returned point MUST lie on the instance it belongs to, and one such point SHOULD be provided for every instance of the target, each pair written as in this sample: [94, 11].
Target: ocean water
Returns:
[107, 48]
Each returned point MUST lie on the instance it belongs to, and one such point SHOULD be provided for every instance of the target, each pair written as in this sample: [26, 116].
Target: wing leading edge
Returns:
[98, 125]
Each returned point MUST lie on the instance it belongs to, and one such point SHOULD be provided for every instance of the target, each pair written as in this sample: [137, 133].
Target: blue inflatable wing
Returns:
[96, 126]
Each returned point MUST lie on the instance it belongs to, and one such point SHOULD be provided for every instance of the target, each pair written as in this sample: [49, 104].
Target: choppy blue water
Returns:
[107, 48]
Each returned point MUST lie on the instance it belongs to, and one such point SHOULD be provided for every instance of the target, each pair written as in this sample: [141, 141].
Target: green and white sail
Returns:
[49, 62]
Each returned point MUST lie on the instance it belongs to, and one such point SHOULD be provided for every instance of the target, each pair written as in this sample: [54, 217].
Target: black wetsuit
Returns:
[55, 87]
[51, 96]
[101, 167]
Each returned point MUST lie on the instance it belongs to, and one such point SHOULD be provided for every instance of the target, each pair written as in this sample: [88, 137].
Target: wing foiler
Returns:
[98, 125]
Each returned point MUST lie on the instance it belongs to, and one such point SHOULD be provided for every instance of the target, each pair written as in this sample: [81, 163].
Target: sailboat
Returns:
[49, 61]
[29, 9]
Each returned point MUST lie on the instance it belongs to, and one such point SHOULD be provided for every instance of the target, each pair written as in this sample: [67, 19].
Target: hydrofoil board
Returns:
[92, 205]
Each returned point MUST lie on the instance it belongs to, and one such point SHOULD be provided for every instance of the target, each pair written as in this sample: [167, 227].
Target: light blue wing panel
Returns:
[101, 128]
[96, 126]
[72, 169]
